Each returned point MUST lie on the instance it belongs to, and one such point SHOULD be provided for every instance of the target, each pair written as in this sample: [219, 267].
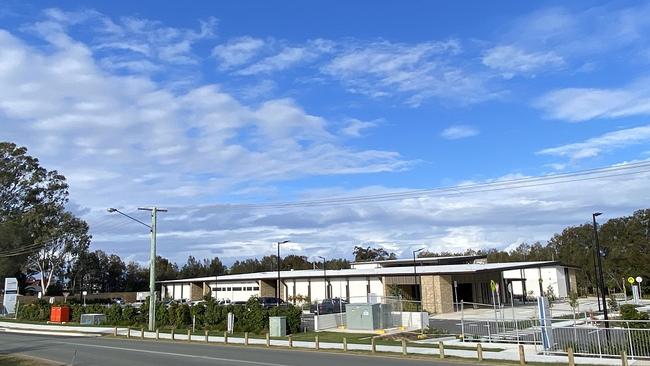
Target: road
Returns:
[104, 351]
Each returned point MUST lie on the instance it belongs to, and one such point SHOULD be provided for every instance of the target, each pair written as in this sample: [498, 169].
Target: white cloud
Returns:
[459, 132]
[511, 60]
[453, 222]
[581, 104]
[237, 51]
[200, 141]
[289, 56]
[605, 143]
[419, 71]
[355, 126]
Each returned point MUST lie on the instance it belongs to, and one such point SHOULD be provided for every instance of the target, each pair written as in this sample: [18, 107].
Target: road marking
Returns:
[174, 354]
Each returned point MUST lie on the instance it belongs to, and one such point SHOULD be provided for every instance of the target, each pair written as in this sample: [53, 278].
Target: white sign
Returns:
[85, 293]
[455, 283]
[11, 295]
[639, 279]
[231, 322]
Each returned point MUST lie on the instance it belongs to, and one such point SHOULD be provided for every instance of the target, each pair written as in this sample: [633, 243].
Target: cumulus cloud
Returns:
[450, 221]
[511, 60]
[354, 127]
[604, 143]
[126, 138]
[459, 132]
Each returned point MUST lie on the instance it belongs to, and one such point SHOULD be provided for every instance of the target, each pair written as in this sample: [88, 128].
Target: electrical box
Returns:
[363, 316]
[278, 326]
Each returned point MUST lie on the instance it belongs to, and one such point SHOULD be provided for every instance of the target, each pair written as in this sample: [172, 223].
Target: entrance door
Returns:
[465, 292]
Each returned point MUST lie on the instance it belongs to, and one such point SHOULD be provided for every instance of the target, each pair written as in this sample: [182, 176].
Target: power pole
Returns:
[152, 266]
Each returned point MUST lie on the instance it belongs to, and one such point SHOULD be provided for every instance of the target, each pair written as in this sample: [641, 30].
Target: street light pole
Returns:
[152, 258]
[415, 275]
[600, 267]
[277, 292]
[597, 281]
[327, 294]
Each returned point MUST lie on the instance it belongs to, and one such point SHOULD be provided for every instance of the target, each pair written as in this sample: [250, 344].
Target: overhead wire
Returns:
[517, 183]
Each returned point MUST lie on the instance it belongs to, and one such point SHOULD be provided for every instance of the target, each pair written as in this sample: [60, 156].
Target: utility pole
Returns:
[152, 258]
[415, 275]
[277, 292]
[600, 268]
[327, 294]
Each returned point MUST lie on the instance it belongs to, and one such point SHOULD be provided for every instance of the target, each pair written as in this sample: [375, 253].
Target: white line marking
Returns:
[174, 354]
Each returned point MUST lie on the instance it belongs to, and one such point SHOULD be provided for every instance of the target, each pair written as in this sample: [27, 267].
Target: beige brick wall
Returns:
[437, 294]
[573, 281]
[267, 289]
[196, 291]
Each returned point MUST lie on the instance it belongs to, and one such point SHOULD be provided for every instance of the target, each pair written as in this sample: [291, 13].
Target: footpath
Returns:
[522, 354]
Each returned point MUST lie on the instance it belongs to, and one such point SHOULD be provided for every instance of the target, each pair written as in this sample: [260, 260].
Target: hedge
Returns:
[209, 315]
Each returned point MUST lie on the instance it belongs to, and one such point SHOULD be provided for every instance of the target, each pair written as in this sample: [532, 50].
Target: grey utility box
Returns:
[363, 316]
[278, 326]
[92, 319]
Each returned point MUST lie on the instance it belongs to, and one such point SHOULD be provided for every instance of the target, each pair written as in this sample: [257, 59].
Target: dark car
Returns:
[269, 302]
[329, 306]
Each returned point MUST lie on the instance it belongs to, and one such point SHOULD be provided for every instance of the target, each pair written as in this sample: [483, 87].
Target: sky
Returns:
[206, 108]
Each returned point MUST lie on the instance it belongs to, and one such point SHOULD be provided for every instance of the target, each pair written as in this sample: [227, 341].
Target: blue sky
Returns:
[142, 103]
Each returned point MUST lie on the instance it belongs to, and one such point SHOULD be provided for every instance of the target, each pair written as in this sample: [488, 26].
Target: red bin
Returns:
[59, 314]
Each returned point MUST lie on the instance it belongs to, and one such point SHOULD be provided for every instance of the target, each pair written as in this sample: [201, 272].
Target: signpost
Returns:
[639, 279]
[11, 295]
[456, 296]
[493, 286]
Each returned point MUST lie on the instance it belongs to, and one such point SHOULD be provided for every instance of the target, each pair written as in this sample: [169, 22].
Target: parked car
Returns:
[239, 303]
[329, 306]
[118, 300]
[269, 302]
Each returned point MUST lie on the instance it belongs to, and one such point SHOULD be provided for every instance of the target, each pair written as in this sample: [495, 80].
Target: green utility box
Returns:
[363, 316]
[278, 326]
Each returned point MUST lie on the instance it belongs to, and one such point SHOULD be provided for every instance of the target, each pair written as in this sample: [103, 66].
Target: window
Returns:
[236, 288]
[228, 288]
[256, 288]
[216, 289]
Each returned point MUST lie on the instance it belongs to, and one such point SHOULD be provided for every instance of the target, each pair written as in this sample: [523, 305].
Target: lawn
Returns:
[23, 361]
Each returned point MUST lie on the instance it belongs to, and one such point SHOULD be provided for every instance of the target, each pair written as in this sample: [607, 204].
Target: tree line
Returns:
[40, 236]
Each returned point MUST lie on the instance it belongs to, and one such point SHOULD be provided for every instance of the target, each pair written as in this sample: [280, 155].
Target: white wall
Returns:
[235, 291]
[553, 276]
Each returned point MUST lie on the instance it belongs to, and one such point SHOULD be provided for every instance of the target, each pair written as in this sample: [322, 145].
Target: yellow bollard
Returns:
[225, 337]
[624, 358]
[128, 332]
[316, 343]
[173, 334]
[479, 352]
[115, 332]
[189, 335]
[157, 334]
[290, 341]
[404, 351]
[207, 333]
[373, 345]
[142, 333]
[522, 356]
[268, 340]
[441, 349]
[246, 339]
[345, 344]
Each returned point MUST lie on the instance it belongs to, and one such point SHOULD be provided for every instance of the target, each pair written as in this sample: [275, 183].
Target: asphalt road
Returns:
[103, 351]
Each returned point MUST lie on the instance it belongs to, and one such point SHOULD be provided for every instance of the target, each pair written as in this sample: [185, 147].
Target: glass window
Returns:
[256, 288]
[236, 288]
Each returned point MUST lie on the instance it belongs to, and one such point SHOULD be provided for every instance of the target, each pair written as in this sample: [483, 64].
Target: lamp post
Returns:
[327, 295]
[152, 258]
[600, 267]
[597, 281]
[277, 292]
[415, 274]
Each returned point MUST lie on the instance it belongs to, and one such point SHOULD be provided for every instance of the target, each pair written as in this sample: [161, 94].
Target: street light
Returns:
[152, 258]
[600, 267]
[277, 292]
[327, 295]
[415, 274]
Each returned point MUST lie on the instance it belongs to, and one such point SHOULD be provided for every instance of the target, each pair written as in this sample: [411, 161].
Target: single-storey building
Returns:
[438, 282]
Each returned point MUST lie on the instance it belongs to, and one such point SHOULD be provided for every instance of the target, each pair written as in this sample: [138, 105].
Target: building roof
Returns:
[382, 271]
[438, 260]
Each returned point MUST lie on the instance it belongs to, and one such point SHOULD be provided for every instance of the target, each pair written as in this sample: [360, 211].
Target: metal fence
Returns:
[584, 336]
[388, 313]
